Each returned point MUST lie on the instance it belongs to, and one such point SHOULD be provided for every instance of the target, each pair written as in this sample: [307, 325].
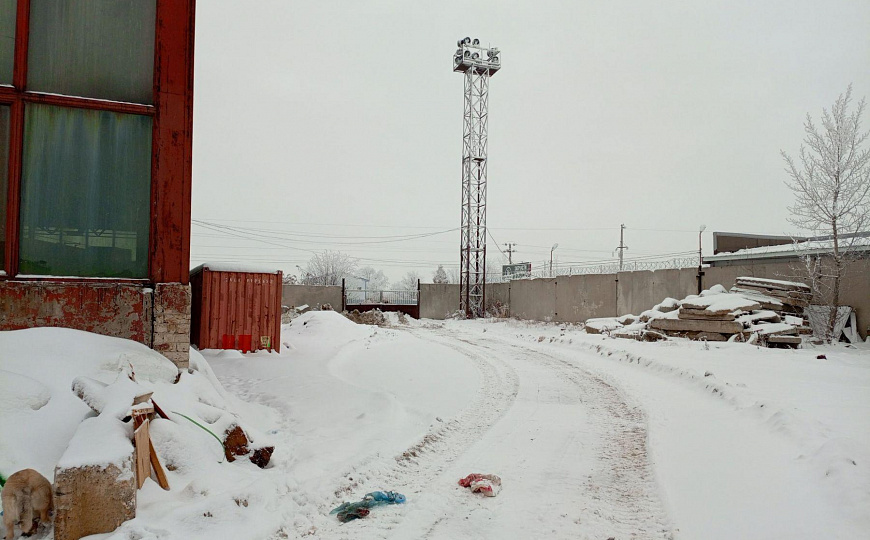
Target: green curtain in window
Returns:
[7, 39]
[92, 48]
[85, 193]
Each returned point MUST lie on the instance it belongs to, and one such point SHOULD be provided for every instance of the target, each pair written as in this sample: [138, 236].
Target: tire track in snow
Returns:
[412, 471]
[622, 494]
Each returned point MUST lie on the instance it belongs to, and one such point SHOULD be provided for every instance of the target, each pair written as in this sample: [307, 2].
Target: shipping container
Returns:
[235, 307]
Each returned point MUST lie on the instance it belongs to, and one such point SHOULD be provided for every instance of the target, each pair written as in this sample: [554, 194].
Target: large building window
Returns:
[77, 115]
[85, 193]
[96, 48]
[7, 39]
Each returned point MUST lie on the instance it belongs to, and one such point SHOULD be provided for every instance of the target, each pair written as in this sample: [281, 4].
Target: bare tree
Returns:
[376, 280]
[440, 275]
[290, 279]
[453, 275]
[408, 281]
[328, 268]
[831, 184]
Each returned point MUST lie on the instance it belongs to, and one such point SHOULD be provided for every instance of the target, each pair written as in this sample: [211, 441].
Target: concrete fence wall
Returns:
[577, 298]
[313, 295]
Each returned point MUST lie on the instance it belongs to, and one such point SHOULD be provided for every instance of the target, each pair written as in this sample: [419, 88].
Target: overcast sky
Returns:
[328, 124]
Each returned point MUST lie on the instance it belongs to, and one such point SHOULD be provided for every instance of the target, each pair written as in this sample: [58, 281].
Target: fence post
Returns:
[343, 295]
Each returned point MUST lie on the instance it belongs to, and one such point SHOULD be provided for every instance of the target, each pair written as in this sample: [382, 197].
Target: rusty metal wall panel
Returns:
[236, 303]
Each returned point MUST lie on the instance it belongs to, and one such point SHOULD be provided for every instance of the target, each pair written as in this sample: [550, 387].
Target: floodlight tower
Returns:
[468, 59]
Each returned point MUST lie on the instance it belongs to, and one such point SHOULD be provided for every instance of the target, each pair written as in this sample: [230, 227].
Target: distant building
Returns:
[730, 249]
[96, 127]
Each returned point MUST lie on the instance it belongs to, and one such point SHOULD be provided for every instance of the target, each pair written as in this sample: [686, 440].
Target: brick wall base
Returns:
[172, 322]
[158, 318]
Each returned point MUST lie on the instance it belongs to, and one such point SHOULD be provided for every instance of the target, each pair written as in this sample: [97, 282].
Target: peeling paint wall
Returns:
[110, 309]
[158, 318]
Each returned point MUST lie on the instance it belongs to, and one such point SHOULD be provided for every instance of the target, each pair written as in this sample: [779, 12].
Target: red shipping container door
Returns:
[239, 303]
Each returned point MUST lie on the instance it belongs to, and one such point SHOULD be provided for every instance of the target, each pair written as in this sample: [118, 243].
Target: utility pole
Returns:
[700, 260]
[552, 249]
[622, 245]
[510, 251]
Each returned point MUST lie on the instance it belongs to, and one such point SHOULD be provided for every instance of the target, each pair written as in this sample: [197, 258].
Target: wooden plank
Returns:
[686, 325]
[158, 469]
[142, 443]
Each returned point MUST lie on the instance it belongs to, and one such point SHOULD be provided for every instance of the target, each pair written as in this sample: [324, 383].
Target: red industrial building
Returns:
[96, 127]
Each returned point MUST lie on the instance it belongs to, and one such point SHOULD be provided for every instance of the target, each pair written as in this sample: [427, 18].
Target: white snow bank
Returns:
[603, 324]
[715, 289]
[100, 441]
[19, 392]
[47, 360]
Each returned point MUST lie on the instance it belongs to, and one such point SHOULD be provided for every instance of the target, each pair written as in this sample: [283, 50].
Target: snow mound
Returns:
[331, 325]
[19, 392]
[114, 438]
[148, 366]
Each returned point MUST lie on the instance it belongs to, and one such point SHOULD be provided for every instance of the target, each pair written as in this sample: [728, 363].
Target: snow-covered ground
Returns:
[593, 437]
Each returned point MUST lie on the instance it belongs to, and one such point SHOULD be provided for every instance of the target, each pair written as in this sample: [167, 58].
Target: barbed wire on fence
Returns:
[611, 268]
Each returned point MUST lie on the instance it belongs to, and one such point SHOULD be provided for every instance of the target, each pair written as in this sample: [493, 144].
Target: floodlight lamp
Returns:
[475, 56]
[459, 43]
[475, 42]
[467, 40]
[703, 228]
[467, 54]
[554, 246]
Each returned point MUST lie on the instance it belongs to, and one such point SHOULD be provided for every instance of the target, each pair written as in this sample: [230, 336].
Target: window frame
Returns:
[17, 95]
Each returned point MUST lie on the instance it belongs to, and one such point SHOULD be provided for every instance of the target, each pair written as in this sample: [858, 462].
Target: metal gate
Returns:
[407, 302]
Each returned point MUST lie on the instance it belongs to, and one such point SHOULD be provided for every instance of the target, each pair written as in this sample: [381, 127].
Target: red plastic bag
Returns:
[486, 484]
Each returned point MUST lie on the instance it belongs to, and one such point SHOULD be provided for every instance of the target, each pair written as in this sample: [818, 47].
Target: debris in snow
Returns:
[374, 317]
[349, 511]
[236, 444]
[486, 484]
[755, 307]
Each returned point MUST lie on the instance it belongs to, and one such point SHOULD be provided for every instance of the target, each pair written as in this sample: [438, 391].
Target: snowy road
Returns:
[570, 446]
[587, 446]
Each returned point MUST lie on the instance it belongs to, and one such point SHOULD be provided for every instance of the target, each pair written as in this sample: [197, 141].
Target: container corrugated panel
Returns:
[236, 304]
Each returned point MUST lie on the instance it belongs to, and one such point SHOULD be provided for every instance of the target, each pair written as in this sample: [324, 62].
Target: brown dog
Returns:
[26, 501]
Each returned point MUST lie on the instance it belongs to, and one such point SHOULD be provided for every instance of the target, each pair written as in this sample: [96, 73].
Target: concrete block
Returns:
[93, 499]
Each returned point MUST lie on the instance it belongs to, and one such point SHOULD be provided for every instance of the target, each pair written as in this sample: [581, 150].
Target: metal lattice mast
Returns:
[472, 259]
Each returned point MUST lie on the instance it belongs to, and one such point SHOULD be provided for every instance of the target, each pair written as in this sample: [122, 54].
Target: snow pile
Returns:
[39, 413]
[45, 424]
[19, 393]
[114, 446]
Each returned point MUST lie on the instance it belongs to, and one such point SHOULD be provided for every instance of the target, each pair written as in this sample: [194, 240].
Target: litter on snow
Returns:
[486, 484]
[349, 511]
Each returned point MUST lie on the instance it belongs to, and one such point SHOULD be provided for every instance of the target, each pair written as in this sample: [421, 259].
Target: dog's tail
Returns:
[25, 508]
